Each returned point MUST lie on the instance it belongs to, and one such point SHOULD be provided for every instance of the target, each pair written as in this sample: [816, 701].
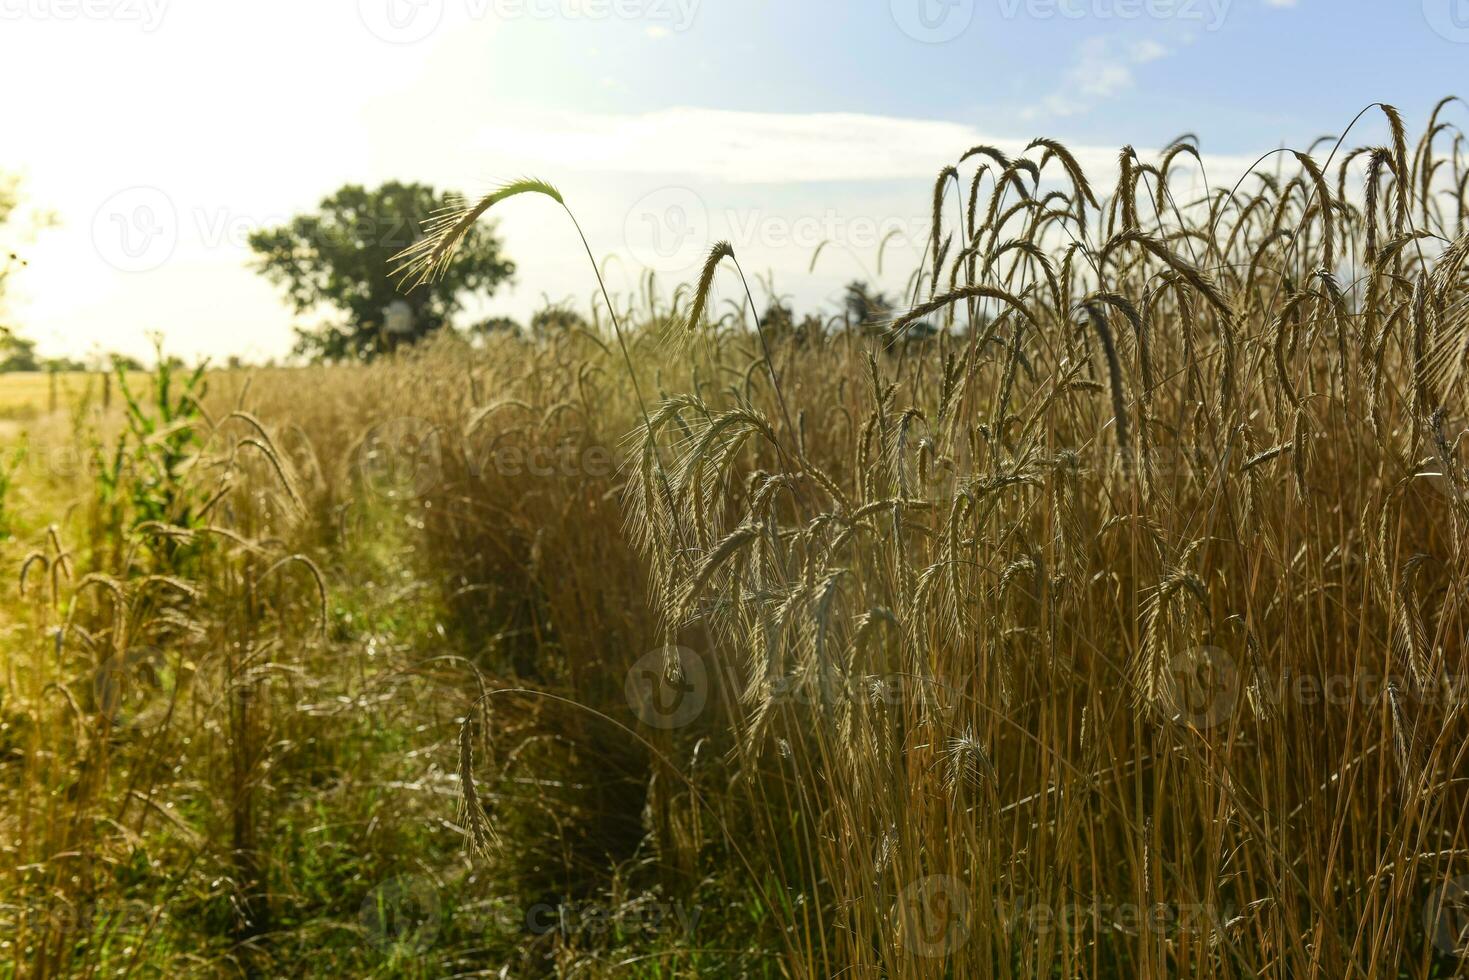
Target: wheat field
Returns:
[1099, 612]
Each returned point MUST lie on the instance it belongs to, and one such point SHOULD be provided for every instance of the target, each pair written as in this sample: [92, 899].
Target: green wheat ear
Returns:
[428, 258]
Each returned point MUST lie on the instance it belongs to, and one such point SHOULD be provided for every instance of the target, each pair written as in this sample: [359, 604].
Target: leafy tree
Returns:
[870, 311]
[16, 352]
[340, 259]
[551, 320]
[780, 321]
[495, 326]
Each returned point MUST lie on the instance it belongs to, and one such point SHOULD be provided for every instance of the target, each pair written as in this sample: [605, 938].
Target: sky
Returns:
[160, 133]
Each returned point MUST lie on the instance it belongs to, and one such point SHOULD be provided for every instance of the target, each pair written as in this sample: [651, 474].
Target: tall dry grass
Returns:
[1114, 630]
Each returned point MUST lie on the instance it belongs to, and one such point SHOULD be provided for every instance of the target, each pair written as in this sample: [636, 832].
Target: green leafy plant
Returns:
[144, 477]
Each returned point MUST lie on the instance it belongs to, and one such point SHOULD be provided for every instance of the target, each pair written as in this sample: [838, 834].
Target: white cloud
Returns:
[1103, 70]
[1280, 3]
[740, 147]
[747, 147]
[1145, 51]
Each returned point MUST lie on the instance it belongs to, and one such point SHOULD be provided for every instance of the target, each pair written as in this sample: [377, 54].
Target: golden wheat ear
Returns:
[428, 258]
[720, 251]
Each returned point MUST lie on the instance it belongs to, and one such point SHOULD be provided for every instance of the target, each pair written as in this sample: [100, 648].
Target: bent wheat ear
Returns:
[482, 835]
[882, 246]
[1098, 317]
[1073, 169]
[428, 258]
[899, 325]
[720, 251]
[1400, 158]
[817, 254]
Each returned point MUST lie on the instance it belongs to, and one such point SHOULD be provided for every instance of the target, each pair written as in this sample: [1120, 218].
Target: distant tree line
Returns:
[336, 265]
